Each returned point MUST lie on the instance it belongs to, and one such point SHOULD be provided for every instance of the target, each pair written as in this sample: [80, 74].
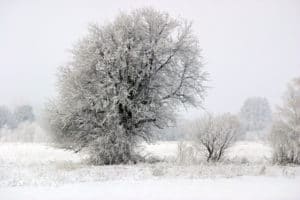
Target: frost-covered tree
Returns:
[5, 116]
[125, 79]
[215, 134]
[255, 114]
[285, 133]
[23, 113]
[12, 119]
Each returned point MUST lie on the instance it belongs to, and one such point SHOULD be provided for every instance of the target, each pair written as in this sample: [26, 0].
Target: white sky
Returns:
[251, 48]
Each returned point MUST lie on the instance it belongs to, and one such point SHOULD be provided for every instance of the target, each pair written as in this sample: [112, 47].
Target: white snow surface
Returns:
[40, 171]
[246, 188]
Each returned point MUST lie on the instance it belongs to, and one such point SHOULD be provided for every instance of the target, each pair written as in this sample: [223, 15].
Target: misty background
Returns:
[250, 48]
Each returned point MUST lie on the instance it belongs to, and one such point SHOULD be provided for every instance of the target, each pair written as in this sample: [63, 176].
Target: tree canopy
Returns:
[125, 79]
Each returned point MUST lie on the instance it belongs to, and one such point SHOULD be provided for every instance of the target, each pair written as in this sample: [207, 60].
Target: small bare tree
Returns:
[285, 133]
[215, 134]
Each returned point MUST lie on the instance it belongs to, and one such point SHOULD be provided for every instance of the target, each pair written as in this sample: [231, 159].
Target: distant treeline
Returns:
[12, 118]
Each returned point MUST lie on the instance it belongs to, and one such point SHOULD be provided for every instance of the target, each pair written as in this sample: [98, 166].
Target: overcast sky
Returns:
[250, 48]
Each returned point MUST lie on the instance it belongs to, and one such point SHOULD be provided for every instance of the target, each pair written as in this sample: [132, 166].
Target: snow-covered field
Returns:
[245, 188]
[40, 171]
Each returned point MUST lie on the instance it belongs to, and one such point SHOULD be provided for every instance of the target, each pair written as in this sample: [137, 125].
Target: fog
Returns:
[250, 48]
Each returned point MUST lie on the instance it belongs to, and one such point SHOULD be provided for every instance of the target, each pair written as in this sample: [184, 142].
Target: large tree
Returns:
[124, 80]
[285, 133]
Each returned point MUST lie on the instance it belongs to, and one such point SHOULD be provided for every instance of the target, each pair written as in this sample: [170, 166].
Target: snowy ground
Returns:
[246, 188]
[38, 171]
[251, 151]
